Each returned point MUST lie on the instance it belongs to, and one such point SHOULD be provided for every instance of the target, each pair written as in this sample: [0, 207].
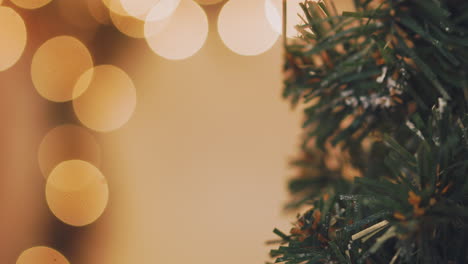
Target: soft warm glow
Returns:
[208, 2]
[67, 142]
[244, 28]
[41, 255]
[274, 13]
[77, 192]
[99, 11]
[56, 66]
[12, 37]
[30, 4]
[138, 8]
[109, 101]
[128, 25]
[182, 35]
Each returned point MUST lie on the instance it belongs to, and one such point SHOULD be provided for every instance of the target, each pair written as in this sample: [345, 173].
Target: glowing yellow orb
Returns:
[67, 142]
[12, 37]
[30, 4]
[109, 101]
[57, 65]
[76, 192]
[244, 28]
[41, 255]
[183, 33]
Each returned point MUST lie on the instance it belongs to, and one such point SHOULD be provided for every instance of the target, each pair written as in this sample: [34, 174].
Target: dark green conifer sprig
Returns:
[385, 92]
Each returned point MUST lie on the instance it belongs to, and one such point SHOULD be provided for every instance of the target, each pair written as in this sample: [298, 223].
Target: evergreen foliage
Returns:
[384, 160]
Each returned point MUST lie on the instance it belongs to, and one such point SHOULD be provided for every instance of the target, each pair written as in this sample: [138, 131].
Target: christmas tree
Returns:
[384, 156]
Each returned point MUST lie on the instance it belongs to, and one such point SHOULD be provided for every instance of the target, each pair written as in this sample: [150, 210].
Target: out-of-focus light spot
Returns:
[109, 101]
[128, 25]
[183, 33]
[208, 2]
[77, 192]
[56, 66]
[274, 13]
[30, 4]
[67, 142]
[99, 11]
[244, 28]
[76, 13]
[163, 10]
[138, 8]
[115, 6]
[12, 36]
[41, 255]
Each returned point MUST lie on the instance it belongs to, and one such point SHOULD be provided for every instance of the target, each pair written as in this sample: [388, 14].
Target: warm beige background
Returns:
[198, 174]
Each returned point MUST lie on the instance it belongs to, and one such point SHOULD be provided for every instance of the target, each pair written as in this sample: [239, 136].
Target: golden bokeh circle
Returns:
[76, 192]
[109, 101]
[67, 142]
[244, 28]
[128, 25]
[162, 10]
[183, 33]
[115, 6]
[30, 4]
[41, 255]
[13, 37]
[138, 8]
[57, 65]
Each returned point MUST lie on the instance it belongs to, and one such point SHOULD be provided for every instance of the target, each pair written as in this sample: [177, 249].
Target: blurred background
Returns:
[143, 131]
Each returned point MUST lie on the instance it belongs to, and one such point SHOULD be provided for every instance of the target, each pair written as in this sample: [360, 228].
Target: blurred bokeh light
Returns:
[56, 66]
[31, 4]
[41, 255]
[138, 8]
[76, 192]
[182, 35]
[244, 28]
[99, 11]
[108, 102]
[12, 36]
[67, 142]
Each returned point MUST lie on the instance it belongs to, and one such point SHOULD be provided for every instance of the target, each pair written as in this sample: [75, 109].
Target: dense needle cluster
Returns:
[384, 163]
